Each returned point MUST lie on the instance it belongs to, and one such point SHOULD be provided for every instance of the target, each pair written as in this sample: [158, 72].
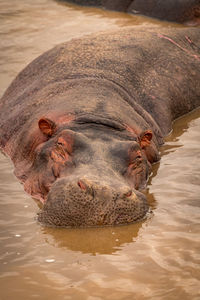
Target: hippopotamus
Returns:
[84, 121]
[180, 11]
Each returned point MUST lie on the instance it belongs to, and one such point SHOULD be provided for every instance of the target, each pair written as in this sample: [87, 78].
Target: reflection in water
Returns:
[107, 240]
[155, 259]
[171, 141]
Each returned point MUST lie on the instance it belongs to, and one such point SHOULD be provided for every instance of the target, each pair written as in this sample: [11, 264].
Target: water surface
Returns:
[154, 259]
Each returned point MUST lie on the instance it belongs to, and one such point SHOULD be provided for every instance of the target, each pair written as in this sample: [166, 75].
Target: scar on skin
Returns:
[134, 132]
[191, 42]
[179, 46]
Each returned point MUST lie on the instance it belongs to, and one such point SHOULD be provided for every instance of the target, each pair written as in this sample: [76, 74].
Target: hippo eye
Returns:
[60, 144]
[137, 160]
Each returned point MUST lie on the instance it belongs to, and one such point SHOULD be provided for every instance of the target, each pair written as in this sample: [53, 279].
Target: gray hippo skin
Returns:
[83, 122]
[180, 11]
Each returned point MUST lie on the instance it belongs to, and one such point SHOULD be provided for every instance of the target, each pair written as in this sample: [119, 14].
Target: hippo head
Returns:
[89, 173]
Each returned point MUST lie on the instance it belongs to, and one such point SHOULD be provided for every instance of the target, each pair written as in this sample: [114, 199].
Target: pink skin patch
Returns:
[133, 132]
[179, 46]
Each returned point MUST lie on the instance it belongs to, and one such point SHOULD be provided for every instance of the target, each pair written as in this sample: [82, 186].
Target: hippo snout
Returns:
[86, 203]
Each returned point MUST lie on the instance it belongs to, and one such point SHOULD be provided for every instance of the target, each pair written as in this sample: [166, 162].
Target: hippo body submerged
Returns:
[83, 122]
[180, 11]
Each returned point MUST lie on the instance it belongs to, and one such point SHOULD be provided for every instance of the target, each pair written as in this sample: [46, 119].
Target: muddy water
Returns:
[155, 259]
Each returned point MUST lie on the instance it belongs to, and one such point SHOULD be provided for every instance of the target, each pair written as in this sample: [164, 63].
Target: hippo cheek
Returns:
[38, 184]
[33, 187]
[85, 203]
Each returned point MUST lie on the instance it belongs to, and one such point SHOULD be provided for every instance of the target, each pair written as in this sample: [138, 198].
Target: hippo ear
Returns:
[47, 126]
[145, 138]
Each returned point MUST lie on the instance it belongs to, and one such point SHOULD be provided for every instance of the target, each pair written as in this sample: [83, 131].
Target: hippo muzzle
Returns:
[85, 202]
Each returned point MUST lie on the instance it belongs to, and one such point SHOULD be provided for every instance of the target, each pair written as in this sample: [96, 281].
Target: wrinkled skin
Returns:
[180, 11]
[84, 121]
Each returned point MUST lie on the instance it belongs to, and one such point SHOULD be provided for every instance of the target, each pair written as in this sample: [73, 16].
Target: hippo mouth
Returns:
[80, 205]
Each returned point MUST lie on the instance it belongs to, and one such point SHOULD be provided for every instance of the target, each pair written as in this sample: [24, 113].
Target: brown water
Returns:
[155, 259]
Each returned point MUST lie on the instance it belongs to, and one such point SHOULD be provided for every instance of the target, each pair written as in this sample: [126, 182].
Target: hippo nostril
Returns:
[81, 185]
[128, 194]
